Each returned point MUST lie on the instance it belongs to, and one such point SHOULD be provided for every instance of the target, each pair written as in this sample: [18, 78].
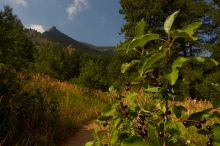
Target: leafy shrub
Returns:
[151, 113]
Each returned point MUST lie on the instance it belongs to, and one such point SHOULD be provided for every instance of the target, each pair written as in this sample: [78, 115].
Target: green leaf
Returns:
[174, 74]
[187, 31]
[169, 22]
[152, 136]
[90, 143]
[216, 132]
[178, 110]
[153, 89]
[133, 141]
[150, 62]
[131, 98]
[203, 114]
[109, 110]
[126, 66]
[122, 46]
[215, 114]
[139, 29]
[104, 118]
[204, 132]
[115, 135]
[140, 41]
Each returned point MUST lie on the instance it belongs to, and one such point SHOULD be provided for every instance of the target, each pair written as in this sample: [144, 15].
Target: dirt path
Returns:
[82, 136]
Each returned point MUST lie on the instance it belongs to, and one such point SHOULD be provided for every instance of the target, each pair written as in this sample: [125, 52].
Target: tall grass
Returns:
[46, 111]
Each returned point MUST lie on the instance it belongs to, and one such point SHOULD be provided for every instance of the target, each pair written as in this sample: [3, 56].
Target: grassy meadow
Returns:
[48, 110]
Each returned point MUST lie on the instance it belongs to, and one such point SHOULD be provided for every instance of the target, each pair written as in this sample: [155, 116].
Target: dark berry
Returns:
[209, 143]
[198, 125]
[202, 120]
[118, 97]
[154, 84]
[127, 88]
[185, 123]
[140, 120]
[125, 113]
[156, 72]
[159, 84]
[127, 84]
[145, 133]
[141, 117]
[139, 126]
[124, 107]
[145, 129]
[161, 134]
[208, 127]
[142, 134]
[105, 124]
[162, 114]
[168, 112]
[168, 90]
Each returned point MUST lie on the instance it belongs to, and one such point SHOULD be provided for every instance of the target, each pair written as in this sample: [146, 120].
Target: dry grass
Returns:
[73, 105]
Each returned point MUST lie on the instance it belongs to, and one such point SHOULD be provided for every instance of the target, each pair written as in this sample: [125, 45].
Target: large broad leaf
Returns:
[109, 110]
[187, 31]
[122, 46]
[178, 110]
[169, 22]
[203, 59]
[126, 66]
[204, 132]
[133, 141]
[174, 74]
[203, 114]
[139, 29]
[216, 132]
[150, 62]
[140, 41]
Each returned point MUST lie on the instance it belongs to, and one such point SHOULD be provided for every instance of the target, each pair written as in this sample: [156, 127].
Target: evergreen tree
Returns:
[15, 49]
[154, 13]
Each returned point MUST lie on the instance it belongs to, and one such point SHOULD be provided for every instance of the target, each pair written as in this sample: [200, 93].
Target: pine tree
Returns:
[154, 13]
[15, 49]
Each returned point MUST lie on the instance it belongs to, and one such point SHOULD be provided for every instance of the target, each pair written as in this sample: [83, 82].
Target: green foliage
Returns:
[169, 22]
[187, 32]
[48, 59]
[139, 29]
[142, 116]
[15, 49]
[93, 74]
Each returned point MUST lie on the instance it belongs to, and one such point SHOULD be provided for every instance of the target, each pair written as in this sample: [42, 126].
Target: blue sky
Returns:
[92, 21]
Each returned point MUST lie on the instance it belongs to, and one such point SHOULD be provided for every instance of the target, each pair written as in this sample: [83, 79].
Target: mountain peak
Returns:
[55, 35]
[53, 28]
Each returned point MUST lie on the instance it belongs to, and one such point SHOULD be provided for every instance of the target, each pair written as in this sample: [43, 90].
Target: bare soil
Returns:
[82, 136]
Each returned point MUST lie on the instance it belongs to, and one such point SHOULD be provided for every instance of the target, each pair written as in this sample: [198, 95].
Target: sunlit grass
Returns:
[73, 105]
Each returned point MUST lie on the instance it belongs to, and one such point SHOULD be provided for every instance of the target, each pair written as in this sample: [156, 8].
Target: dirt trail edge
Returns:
[82, 136]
